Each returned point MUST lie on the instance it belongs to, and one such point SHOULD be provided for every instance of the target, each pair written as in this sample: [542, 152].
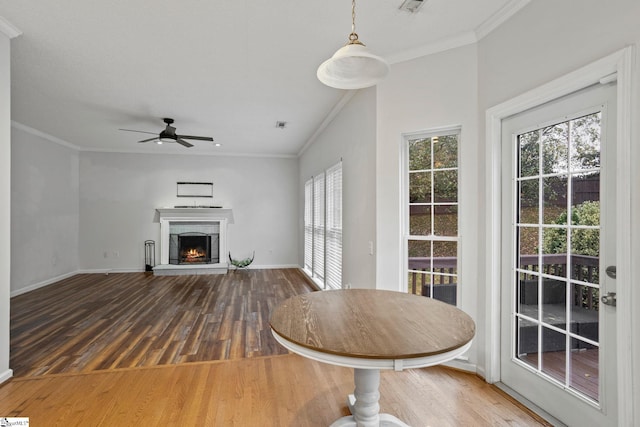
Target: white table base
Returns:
[363, 403]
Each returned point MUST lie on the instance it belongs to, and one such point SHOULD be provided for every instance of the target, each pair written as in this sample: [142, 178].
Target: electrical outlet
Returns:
[106, 254]
[346, 286]
[116, 254]
[370, 247]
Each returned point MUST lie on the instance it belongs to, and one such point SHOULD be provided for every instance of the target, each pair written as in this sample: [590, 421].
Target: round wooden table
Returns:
[369, 330]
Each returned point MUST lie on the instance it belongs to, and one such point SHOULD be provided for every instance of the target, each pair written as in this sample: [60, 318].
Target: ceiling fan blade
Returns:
[147, 140]
[200, 138]
[185, 143]
[139, 131]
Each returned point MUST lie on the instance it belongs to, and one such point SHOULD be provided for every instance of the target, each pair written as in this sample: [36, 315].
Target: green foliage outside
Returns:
[583, 241]
[442, 171]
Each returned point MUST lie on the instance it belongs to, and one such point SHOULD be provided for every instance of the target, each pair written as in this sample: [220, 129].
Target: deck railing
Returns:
[583, 268]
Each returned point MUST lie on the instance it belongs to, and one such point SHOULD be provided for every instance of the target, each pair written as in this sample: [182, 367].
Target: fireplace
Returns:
[194, 248]
[193, 240]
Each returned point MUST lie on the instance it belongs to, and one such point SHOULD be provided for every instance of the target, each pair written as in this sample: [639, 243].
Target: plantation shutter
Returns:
[308, 225]
[318, 226]
[334, 227]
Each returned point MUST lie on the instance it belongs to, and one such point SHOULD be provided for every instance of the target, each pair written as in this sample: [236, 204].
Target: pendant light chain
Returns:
[353, 37]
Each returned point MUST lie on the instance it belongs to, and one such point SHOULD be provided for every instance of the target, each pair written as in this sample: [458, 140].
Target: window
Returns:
[323, 227]
[431, 230]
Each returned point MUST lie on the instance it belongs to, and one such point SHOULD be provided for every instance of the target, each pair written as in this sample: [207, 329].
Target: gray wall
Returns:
[5, 203]
[119, 194]
[544, 41]
[351, 137]
[44, 211]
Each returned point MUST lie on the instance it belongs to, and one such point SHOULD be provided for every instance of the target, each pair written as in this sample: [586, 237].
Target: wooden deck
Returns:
[584, 372]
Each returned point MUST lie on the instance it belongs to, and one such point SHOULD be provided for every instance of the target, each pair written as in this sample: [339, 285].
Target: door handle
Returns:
[610, 299]
[611, 271]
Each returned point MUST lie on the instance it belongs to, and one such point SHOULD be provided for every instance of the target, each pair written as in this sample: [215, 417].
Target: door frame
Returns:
[620, 66]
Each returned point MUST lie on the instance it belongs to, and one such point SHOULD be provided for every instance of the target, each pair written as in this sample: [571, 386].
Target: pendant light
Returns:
[353, 66]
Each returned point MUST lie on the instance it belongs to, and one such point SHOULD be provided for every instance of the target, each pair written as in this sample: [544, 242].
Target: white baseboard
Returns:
[462, 365]
[269, 266]
[110, 270]
[4, 376]
[117, 270]
[42, 284]
[530, 405]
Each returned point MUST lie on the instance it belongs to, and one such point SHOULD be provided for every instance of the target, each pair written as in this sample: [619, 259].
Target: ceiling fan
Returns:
[169, 135]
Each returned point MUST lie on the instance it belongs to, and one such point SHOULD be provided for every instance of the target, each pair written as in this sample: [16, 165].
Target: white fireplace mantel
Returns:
[222, 216]
[189, 214]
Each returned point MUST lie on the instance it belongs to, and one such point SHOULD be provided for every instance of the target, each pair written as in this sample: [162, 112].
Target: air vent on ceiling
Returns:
[412, 6]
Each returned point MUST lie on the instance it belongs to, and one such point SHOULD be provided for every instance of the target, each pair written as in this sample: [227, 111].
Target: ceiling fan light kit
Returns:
[353, 66]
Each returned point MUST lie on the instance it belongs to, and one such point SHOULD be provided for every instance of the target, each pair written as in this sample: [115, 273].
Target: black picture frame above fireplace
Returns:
[194, 189]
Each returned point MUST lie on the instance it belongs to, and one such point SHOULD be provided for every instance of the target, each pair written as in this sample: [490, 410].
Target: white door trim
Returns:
[620, 63]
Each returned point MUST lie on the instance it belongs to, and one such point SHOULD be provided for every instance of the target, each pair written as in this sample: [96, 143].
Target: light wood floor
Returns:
[273, 390]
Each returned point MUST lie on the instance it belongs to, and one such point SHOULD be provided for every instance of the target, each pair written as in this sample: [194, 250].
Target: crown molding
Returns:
[187, 153]
[8, 29]
[498, 18]
[43, 135]
[328, 119]
[459, 40]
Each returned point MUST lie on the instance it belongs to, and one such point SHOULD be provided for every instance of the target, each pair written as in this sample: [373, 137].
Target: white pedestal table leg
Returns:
[363, 403]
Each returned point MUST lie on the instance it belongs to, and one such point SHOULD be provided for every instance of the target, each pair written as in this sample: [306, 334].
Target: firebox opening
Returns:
[194, 248]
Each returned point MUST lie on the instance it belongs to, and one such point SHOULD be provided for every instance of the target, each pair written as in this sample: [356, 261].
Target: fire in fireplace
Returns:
[193, 248]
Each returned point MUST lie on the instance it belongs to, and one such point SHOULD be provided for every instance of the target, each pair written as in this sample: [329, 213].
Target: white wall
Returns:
[44, 211]
[536, 46]
[544, 41]
[5, 203]
[426, 93]
[350, 136]
[120, 192]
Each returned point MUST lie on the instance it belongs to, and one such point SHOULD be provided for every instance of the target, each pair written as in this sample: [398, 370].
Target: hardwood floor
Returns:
[94, 322]
[138, 350]
[277, 391]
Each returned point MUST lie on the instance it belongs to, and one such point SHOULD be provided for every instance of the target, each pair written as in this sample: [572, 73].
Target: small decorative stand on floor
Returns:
[149, 255]
[239, 264]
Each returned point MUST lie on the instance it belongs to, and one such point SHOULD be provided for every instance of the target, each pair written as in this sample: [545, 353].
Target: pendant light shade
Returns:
[353, 66]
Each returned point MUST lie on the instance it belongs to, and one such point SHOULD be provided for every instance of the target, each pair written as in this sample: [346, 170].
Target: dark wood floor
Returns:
[93, 322]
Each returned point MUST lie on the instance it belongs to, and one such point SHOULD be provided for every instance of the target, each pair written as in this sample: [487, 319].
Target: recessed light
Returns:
[217, 144]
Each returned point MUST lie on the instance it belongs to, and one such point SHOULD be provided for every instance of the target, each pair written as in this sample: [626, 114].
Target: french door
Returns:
[558, 238]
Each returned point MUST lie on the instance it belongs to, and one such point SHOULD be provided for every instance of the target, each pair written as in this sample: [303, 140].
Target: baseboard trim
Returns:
[530, 405]
[110, 270]
[462, 365]
[42, 284]
[268, 266]
[4, 376]
[107, 271]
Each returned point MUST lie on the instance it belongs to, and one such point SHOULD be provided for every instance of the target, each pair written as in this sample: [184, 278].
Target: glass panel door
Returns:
[557, 341]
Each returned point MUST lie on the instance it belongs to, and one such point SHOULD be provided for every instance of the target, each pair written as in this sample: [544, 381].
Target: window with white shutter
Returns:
[323, 227]
[333, 277]
[318, 227]
[308, 225]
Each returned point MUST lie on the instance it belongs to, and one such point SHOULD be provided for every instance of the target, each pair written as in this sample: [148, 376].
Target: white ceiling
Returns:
[223, 68]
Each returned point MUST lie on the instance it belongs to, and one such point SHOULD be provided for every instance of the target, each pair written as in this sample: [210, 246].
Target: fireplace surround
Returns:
[193, 240]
